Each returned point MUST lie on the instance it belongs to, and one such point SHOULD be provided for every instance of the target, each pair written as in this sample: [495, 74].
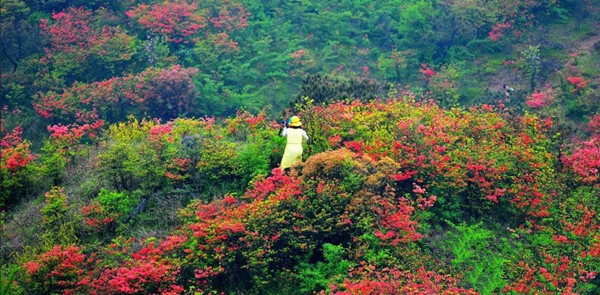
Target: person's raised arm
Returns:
[304, 135]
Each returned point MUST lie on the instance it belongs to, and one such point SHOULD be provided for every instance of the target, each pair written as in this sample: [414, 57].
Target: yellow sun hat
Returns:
[295, 121]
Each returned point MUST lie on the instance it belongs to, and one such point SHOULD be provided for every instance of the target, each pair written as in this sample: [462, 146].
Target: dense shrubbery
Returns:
[205, 157]
[135, 158]
[468, 159]
[371, 210]
[240, 54]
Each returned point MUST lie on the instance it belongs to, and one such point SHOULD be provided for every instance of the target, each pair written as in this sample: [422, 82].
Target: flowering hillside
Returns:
[394, 196]
[454, 147]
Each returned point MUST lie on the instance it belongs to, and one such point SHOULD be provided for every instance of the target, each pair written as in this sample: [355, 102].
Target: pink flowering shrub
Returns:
[538, 100]
[585, 161]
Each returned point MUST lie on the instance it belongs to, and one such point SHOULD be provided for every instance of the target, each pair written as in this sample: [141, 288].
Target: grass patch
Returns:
[569, 33]
[588, 64]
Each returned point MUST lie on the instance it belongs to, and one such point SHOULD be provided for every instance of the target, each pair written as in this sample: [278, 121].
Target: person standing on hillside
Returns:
[292, 129]
[507, 90]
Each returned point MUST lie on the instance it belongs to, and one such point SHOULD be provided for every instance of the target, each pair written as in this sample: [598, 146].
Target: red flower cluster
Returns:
[427, 71]
[594, 125]
[397, 223]
[163, 93]
[498, 30]
[367, 279]
[585, 161]
[14, 152]
[73, 133]
[58, 269]
[177, 20]
[538, 100]
[74, 39]
[97, 216]
[578, 82]
[179, 166]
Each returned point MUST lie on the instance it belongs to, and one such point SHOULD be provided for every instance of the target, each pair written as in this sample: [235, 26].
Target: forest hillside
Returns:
[454, 147]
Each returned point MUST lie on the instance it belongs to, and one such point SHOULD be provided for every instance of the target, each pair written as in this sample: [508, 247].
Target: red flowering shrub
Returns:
[68, 270]
[72, 134]
[58, 270]
[585, 157]
[368, 280]
[17, 170]
[77, 45]
[538, 99]
[594, 125]
[558, 275]
[180, 167]
[97, 217]
[458, 156]
[169, 93]
[577, 82]
[177, 20]
[427, 71]
[335, 140]
[396, 223]
[585, 161]
[289, 214]
[137, 276]
[163, 93]
[185, 21]
[498, 30]
[15, 152]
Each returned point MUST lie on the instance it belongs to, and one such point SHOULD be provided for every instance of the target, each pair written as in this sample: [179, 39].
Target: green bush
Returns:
[59, 224]
[317, 277]
[8, 280]
[478, 253]
[117, 202]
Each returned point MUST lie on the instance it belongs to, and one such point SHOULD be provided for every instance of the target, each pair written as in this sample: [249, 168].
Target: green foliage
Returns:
[53, 162]
[8, 280]
[351, 181]
[394, 66]
[326, 89]
[532, 63]
[479, 253]
[218, 160]
[253, 159]
[128, 166]
[376, 253]
[317, 277]
[117, 202]
[444, 86]
[60, 226]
